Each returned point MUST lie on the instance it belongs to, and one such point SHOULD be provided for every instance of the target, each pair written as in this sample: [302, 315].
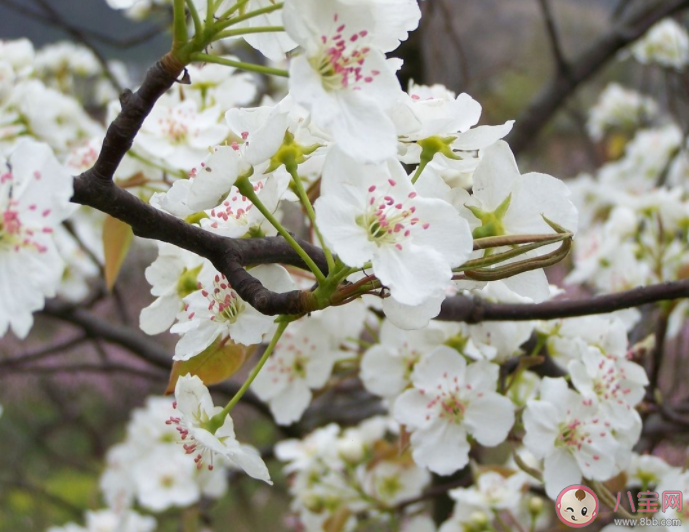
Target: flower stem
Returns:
[306, 202]
[247, 189]
[222, 24]
[179, 25]
[245, 31]
[237, 6]
[198, 25]
[254, 372]
[207, 58]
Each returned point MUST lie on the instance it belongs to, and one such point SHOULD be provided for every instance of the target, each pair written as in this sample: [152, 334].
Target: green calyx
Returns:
[435, 144]
[291, 154]
[196, 217]
[188, 282]
[491, 222]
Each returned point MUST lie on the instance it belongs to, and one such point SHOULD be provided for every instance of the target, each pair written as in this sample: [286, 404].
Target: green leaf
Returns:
[117, 239]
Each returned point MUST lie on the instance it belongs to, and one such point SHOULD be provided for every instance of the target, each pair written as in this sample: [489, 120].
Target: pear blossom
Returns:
[504, 202]
[386, 367]
[392, 482]
[617, 384]
[148, 468]
[646, 470]
[195, 407]
[166, 478]
[665, 44]
[236, 216]
[570, 434]
[216, 310]
[172, 276]
[342, 75]
[302, 361]
[619, 108]
[449, 401]
[676, 481]
[111, 521]
[492, 492]
[179, 134]
[34, 199]
[434, 124]
[373, 213]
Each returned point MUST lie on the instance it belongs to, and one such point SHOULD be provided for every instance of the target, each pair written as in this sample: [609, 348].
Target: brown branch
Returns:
[553, 96]
[554, 38]
[476, 310]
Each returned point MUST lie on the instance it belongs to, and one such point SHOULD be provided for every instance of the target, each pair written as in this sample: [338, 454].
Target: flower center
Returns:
[292, 355]
[386, 220]
[14, 234]
[235, 208]
[224, 301]
[446, 401]
[342, 61]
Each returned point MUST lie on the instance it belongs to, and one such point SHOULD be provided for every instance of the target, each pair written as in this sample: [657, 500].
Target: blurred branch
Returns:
[546, 104]
[87, 368]
[554, 38]
[91, 34]
[134, 341]
[40, 354]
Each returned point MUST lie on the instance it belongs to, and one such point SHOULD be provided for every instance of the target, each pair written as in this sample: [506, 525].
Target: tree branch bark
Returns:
[476, 310]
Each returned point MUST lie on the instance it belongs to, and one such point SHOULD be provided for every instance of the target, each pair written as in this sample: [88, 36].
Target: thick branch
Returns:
[476, 310]
[552, 97]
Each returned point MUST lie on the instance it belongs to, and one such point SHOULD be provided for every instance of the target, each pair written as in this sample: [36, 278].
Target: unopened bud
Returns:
[535, 505]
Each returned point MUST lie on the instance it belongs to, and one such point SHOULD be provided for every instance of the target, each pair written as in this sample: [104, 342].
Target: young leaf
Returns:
[217, 363]
[117, 238]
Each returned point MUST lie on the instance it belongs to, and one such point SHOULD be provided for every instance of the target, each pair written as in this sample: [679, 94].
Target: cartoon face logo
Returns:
[577, 506]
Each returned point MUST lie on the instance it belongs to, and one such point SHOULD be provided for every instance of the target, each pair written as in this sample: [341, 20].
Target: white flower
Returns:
[165, 478]
[373, 213]
[111, 521]
[172, 276]
[618, 107]
[342, 76]
[616, 383]
[195, 406]
[504, 202]
[391, 482]
[647, 470]
[566, 338]
[433, 120]
[217, 310]
[568, 431]
[666, 44]
[386, 368]
[302, 361]
[236, 216]
[178, 134]
[34, 199]
[450, 401]
[492, 492]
